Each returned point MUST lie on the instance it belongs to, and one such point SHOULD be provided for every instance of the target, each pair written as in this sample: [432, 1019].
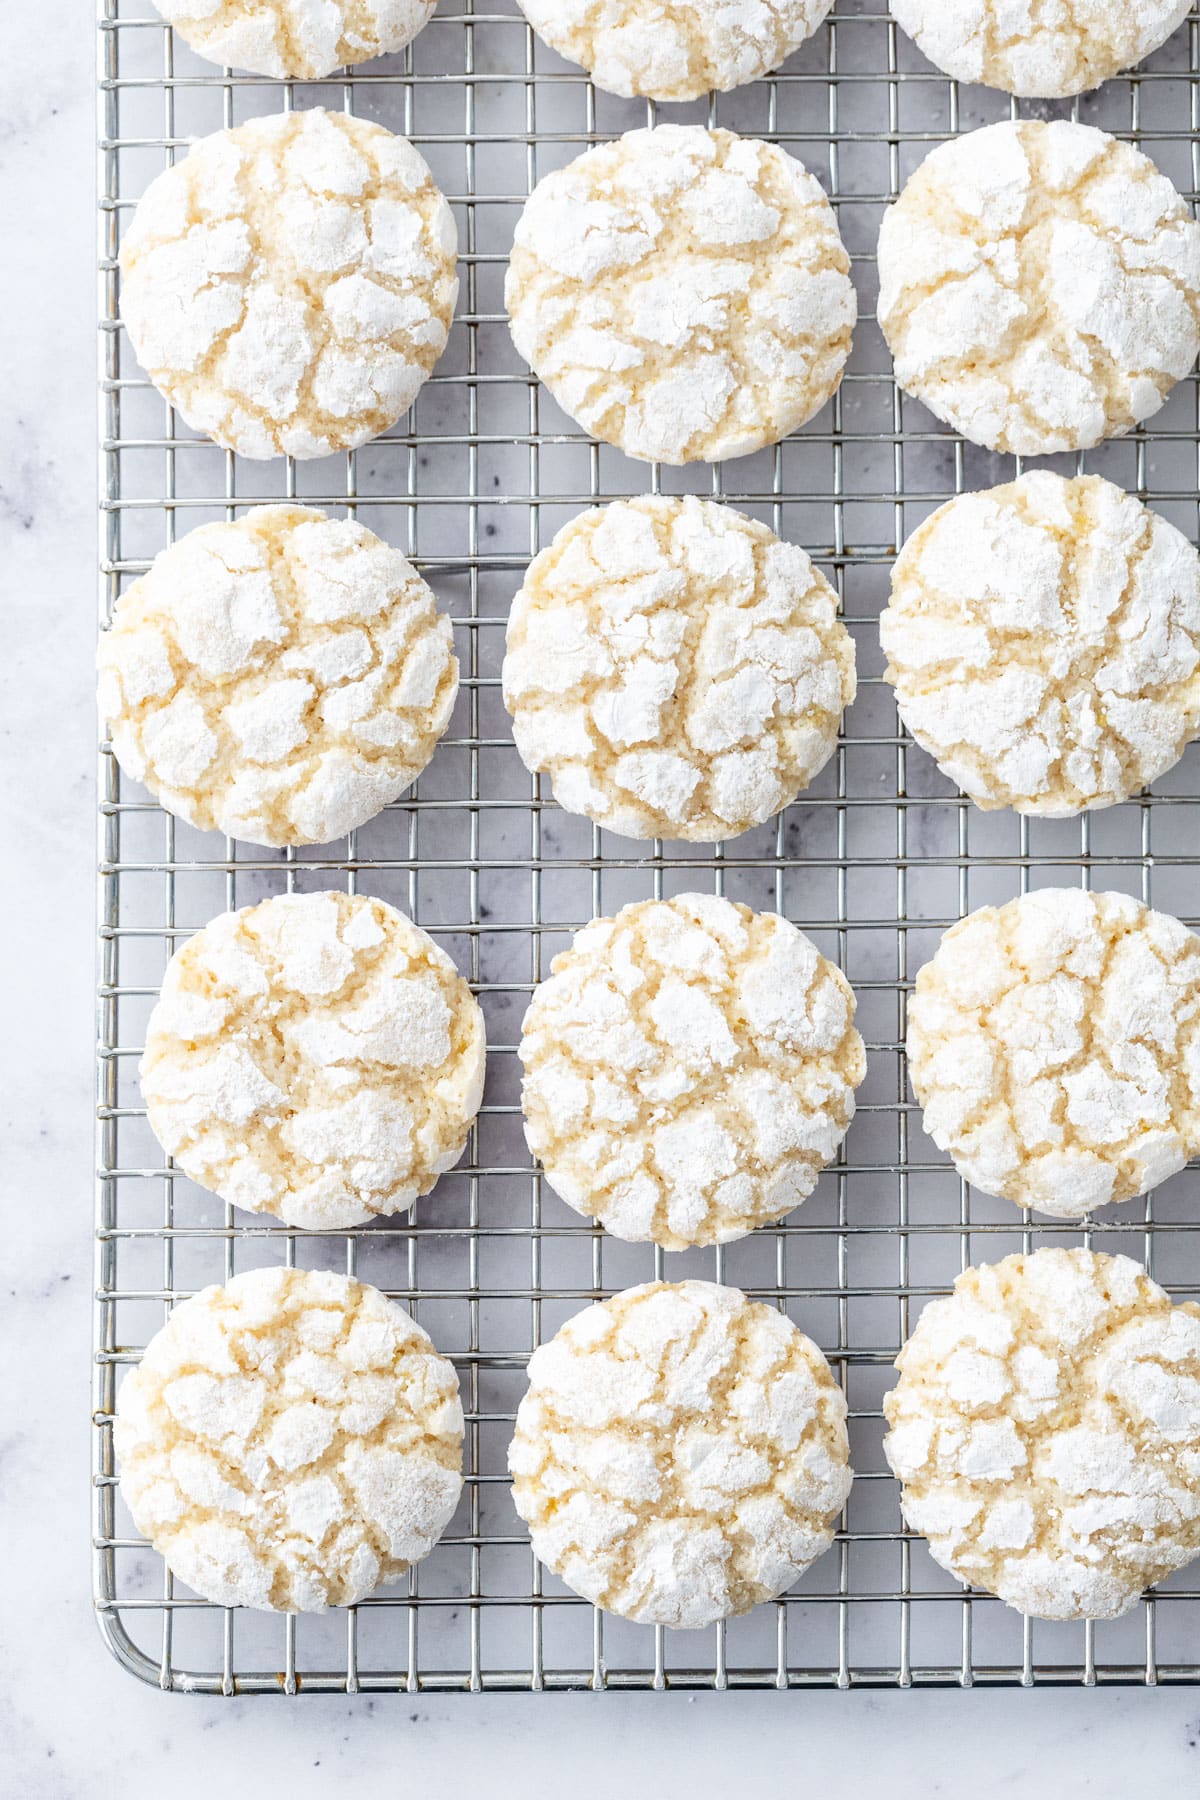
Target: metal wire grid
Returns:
[878, 858]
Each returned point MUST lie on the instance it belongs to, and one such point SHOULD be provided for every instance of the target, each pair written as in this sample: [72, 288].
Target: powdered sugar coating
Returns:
[681, 1453]
[1043, 639]
[683, 293]
[301, 39]
[675, 669]
[1039, 49]
[289, 285]
[279, 679]
[317, 1057]
[1055, 1047]
[1046, 1428]
[674, 49]
[1039, 286]
[690, 1069]
[290, 1441]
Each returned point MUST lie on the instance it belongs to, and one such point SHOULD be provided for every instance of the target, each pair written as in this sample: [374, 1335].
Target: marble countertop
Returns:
[71, 1723]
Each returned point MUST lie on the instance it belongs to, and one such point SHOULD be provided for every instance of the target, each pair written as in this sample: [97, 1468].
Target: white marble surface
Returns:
[71, 1724]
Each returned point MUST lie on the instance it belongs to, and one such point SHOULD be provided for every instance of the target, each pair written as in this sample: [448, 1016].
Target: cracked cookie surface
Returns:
[690, 1069]
[1043, 639]
[674, 49]
[676, 669]
[1054, 1044]
[317, 1057]
[290, 1441]
[1046, 1429]
[280, 678]
[1039, 286]
[683, 293]
[681, 1453]
[290, 283]
[1038, 49]
[301, 39]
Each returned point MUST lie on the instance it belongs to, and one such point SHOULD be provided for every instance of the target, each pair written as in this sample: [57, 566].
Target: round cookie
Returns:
[1039, 49]
[681, 1453]
[279, 679]
[683, 293]
[675, 51]
[1054, 1044]
[290, 1441]
[1043, 640]
[289, 285]
[1039, 286]
[1046, 1428]
[675, 669]
[316, 1057]
[295, 39]
[690, 1069]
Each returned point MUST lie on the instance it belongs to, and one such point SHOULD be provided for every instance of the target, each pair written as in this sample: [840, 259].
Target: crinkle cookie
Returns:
[290, 1441]
[289, 285]
[690, 1069]
[674, 49]
[316, 1057]
[1054, 1045]
[279, 679]
[1044, 643]
[301, 39]
[1046, 1428]
[681, 1453]
[1039, 49]
[1039, 286]
[683, 293]
[675, 669]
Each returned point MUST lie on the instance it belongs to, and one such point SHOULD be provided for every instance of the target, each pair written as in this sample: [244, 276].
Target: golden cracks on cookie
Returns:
[280, 678]
[1054, 1045]
[684, 294]
[295, 39]
[674, 49]
[317, 1057]
[290, 1441]
[1039, 286]
[289, 284]
[1046, 1429]
[1043, 639]
[675, 669]
[1041, 49]
[690, 1068]
[681, 1453]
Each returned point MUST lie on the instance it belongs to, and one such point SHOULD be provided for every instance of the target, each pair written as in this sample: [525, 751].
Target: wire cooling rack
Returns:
[877, 859]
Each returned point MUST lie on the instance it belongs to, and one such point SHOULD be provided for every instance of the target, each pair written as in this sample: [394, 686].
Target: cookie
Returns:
[316, 1057]
[290, 283]
[676, 51]
[295, 39]
[279, 679]
[1054, 1044]
[290, 1441]
[681, 1453]
[683, 293]
[1039, 286]
[690, 1069]
[675, 669]
[1043, 640]
[1039, 49]
[1046, 1428]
